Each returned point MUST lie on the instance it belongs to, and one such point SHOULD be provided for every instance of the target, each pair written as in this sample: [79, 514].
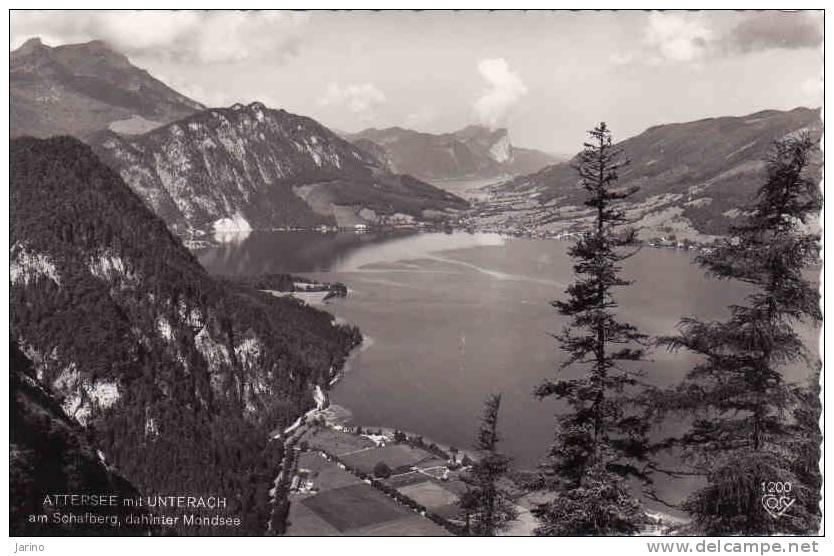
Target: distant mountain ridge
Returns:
[224, 169]
[251, 167]
[80, 89]
[694, 177]
[472, 152]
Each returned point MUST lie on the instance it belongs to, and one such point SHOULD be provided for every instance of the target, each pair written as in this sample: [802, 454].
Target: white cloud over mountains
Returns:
[786, 30]
[504, 89]
[188, 36]
[436, 71]
[361, 99]
[421, 117]
[677, 37]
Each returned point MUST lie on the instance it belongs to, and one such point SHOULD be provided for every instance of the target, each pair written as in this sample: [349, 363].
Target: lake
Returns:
[451, 318]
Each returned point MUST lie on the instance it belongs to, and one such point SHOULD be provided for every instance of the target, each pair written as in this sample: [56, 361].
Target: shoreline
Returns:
[338, 416]
[660, 521]
[345, 415]
[342, 415]
[347, 364]
[697, 242]
[389, 432]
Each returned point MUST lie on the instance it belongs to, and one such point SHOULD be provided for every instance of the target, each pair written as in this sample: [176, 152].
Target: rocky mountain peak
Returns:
[478, 131]
[255, 167]
[495, 141]
[81, 89]
[29, 47]
[91, 52]
[475, 151]
[501, 149]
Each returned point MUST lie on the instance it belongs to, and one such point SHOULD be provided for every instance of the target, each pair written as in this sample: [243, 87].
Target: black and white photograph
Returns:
[416, 273]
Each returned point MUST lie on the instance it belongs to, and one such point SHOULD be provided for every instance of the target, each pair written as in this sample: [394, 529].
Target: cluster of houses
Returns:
[303, 481]
[665, 242]
[326, 229]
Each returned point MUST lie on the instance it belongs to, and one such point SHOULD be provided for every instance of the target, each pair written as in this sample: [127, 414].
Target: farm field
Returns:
[305, 522]
[331, 500]
[429, 494]
[394, 455]
[327, 475]
[355, 506]
[335, 442]
[410, 526]
[343, 504]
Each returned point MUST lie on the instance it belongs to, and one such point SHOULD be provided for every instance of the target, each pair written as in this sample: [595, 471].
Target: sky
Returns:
[546, 76]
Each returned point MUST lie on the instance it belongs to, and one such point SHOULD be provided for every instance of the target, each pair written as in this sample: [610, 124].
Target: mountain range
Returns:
[251, 167]
[475, 152]
[177, 378]
[79, 89]
[694, 178]
[201, 170]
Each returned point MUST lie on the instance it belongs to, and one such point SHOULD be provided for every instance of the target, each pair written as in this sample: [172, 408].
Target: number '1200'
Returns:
[772, 487]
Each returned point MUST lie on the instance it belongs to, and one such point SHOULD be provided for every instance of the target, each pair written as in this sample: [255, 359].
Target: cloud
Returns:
[621, 58]
[421, 117]
[812, 89]
[504, 89]
[188, 36]
[208, 97]
[766, 30]
[672, 37]
[361, 99]
[677, 38]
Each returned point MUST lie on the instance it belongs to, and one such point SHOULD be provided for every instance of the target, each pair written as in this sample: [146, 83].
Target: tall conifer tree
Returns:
[486, 504]
[600, 439]
[807, 446]
[743, 436]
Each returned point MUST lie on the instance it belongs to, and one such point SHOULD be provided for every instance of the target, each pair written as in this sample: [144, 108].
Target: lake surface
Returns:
[451, 318]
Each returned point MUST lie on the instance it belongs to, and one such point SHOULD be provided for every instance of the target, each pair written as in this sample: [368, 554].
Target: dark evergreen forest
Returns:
[205, 370]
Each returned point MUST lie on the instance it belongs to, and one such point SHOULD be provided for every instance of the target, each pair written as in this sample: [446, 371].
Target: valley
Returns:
[694, 179]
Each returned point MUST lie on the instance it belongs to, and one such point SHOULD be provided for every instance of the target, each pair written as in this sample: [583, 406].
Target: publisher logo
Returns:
[776, 498]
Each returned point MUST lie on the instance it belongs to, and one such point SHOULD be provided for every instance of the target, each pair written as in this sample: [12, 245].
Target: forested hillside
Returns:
[50, 453]
[179, 378]
[251, 167]
[692, 176]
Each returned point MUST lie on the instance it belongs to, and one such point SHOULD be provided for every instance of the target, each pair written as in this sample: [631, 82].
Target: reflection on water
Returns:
[235, 237]
[456, 317]
[414, 247]
[270, 252]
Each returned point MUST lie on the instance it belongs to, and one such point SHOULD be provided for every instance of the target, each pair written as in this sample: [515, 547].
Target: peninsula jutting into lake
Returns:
[268, 278]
